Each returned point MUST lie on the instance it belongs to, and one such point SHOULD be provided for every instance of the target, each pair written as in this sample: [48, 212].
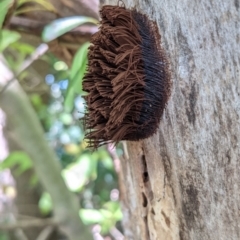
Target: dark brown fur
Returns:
[128, 79]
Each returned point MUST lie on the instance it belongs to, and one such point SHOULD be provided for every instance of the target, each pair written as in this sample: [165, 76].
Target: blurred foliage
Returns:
[4, 6]
[21, 159]
[8, 37]
[78, 70]
[41, 5]
[90, 175]
[4, 236]
[63, 25]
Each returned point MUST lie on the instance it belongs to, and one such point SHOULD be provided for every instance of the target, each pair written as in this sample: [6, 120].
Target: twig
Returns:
[24, 22]
[125, 150]
[28, 223]
[17, 232]
[40, 50]
[96, 232]
[20, 235]
[112, 151]
[116, 234]
[45, 233]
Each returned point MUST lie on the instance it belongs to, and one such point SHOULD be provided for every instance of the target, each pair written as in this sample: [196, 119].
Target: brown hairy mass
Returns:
[128, 79]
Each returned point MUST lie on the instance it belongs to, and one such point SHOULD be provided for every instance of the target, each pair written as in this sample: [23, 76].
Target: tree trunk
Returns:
[183, 183]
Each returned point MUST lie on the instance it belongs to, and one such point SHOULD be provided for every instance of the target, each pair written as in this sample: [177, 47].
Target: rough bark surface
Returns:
[183, 183]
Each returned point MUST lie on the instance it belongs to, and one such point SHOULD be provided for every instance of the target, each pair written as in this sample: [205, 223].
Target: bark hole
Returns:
[152, 211]
[146, 225]
[145, 175]
[145, 201]
[167, 220]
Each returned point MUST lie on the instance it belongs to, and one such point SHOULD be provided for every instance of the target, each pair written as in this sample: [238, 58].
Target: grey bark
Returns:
[183, 182]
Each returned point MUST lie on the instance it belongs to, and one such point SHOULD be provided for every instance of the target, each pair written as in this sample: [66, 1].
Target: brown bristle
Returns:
[128, 80]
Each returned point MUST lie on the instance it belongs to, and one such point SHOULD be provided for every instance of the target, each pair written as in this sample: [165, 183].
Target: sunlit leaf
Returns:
[30, 9]
[118, 214]
[104, 217]
[21, 159]
[7, 38]
[23, 48]
[79, 59]
[78, 70]
[63, 25]
[45, 203]
[66, 118]
[60, 66]
[4, 6]
[107, 214]
[45, 3]
[72, 148]
[80, 172]
[21, 51]
[69, 100]
[110, 219]
[91, 216]
[115, 209]
[111, 206]
[36, 100]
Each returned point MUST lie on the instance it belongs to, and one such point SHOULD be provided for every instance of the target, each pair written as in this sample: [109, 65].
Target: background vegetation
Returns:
[53, 87]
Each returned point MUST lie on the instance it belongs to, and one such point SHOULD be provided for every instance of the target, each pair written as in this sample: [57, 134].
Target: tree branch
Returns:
[28, 224]
[41, 49]
[45, 233]
[28, 132]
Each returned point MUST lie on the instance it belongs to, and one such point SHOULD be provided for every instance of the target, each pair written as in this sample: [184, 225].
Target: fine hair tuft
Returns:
[128, 80]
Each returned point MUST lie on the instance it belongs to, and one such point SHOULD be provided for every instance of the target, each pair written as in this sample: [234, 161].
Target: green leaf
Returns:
[45, 203]
[109, 220]
[66, 118]
[118, 215]
[106, 159]
[17, 158]
[107, 214]
[45, 3]
[111, 206]
[91, 216]
[4, 236]
[36, 100]
[69, 100]
[77, 174]
[63, 25]
[115, 209]
[23, 48]
[7, 38]
[102, 217]
[33, 180]
[106, 217]
[78, 70]
[79, 61]
[4, 6]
